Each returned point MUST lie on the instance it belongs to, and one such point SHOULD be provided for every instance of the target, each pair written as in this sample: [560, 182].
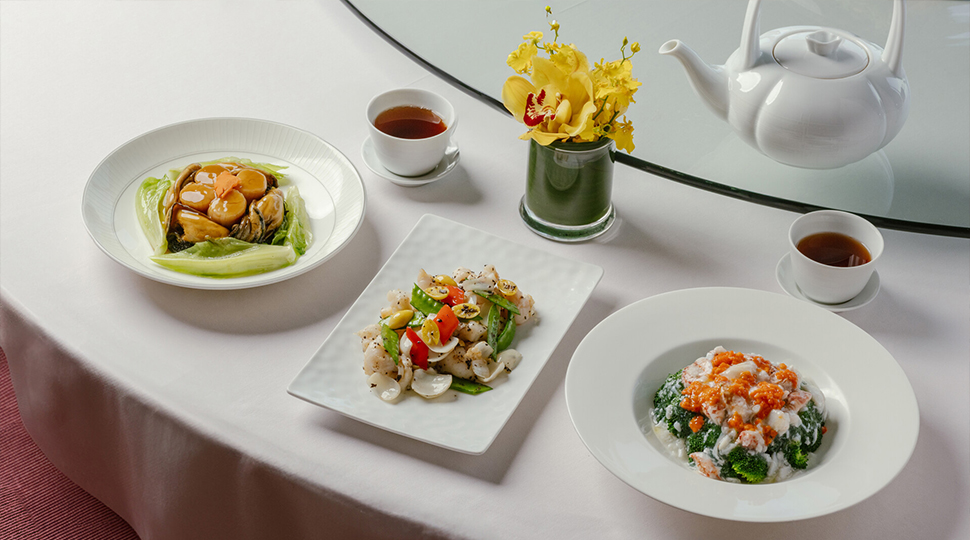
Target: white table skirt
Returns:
[170, 404]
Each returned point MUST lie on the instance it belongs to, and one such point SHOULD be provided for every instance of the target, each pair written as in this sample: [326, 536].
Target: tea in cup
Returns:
[411, 130]
[833, 254]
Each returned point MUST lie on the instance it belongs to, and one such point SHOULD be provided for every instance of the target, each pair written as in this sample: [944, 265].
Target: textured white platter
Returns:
[328, 182]
[334, 378]
[872, 414]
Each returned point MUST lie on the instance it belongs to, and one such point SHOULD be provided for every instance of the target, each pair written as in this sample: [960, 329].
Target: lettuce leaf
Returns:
[295, 230]
[228, 257]
[148, 206]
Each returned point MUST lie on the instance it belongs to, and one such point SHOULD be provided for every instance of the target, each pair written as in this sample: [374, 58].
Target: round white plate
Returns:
[328, 182]
[783, 273]
[872, 414]
[445, 166]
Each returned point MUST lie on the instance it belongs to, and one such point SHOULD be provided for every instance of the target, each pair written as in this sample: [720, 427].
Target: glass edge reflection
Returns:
[670, 174]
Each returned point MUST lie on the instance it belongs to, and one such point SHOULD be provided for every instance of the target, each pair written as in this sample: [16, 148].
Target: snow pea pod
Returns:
[506, 336]
[422, 302]
[468, 387]
[499, 300]
[493, 326]
[417, 321]
[391, 342]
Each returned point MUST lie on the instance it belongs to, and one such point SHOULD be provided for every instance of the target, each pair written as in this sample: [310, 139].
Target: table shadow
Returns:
[666, 247]
[909, 320]
[493, 465]
[300, 301]
[456, 188]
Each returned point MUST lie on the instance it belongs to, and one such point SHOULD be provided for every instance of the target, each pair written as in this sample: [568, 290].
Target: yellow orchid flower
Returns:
[533, 37]
[566, 100]
[521, 59]
[622, 135]
[567, 58]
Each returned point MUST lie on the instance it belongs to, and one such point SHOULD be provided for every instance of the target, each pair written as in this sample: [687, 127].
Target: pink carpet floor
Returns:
[36, 500]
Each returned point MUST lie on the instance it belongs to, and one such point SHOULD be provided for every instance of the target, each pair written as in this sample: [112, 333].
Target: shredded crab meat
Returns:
[752, 400]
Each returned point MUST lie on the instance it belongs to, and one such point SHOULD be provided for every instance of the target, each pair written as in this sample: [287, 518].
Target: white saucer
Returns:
[446, 165]
[787, 281]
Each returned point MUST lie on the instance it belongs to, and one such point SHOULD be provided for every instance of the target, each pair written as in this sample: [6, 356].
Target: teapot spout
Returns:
[710, 82]
[892, 55]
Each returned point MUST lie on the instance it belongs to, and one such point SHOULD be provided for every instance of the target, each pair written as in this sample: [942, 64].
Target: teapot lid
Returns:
[821, 54]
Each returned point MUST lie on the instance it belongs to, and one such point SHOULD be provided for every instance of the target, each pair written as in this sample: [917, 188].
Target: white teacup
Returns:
[832, 284]
[411, 157]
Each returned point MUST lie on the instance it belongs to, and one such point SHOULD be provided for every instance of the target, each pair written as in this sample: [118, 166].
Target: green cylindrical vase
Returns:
[569, 190]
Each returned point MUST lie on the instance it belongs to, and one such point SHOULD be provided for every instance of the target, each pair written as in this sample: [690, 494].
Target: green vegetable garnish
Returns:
[499, 300]
[750, 467]
[800, 440]
[148, 206]
[506, 336]
[417, 320]
[391, 342]
[493, 326]
[294, 230]
[422, 302]
[227, 257]
[468, 387]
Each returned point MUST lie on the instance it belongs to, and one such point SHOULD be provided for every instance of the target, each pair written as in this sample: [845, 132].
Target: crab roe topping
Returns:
[696, 423]
[767, 396]
[740, 391]
[697, 394]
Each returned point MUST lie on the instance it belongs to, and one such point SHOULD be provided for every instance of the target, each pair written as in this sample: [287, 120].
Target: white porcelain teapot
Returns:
[806, 96]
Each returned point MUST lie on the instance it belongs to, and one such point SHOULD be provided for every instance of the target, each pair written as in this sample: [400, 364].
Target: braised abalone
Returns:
[227, 199]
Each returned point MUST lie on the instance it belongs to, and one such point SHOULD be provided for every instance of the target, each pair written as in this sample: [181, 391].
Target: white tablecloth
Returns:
[170, 404]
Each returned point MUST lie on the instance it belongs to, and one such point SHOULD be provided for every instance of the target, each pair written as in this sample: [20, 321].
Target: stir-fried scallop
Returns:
[443, 334]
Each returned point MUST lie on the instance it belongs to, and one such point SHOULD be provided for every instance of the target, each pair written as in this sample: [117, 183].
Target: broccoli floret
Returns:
[799, 441]
[811, 428]
[706, 437]
[667, 409]
[727, 471]
[796, 455]
[669, 391]
[749, 466]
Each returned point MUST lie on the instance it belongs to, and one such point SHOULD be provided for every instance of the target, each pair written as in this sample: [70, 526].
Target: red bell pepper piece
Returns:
[455, 296]
[419, 349]
[447, 322]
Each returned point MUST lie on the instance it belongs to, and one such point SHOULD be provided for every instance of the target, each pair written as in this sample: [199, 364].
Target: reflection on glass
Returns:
[919, 181]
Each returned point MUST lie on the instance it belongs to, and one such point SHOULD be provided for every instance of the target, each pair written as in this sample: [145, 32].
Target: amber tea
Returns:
[834, 249]
[410, 122]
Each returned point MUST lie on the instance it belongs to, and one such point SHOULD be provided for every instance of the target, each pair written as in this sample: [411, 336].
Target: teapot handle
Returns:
[892, 55]
[751, 35]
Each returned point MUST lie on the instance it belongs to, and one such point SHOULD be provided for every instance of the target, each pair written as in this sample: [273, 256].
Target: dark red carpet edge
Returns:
[36, 500]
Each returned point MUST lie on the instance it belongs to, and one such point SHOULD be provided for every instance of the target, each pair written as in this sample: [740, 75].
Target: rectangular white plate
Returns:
[334, 378]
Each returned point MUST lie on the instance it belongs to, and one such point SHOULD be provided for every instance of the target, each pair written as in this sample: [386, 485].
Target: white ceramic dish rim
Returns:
[873, 429]
[346, 193]
[333, 377]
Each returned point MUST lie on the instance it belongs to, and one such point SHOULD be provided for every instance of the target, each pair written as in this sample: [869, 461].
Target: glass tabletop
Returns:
[920, 181]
